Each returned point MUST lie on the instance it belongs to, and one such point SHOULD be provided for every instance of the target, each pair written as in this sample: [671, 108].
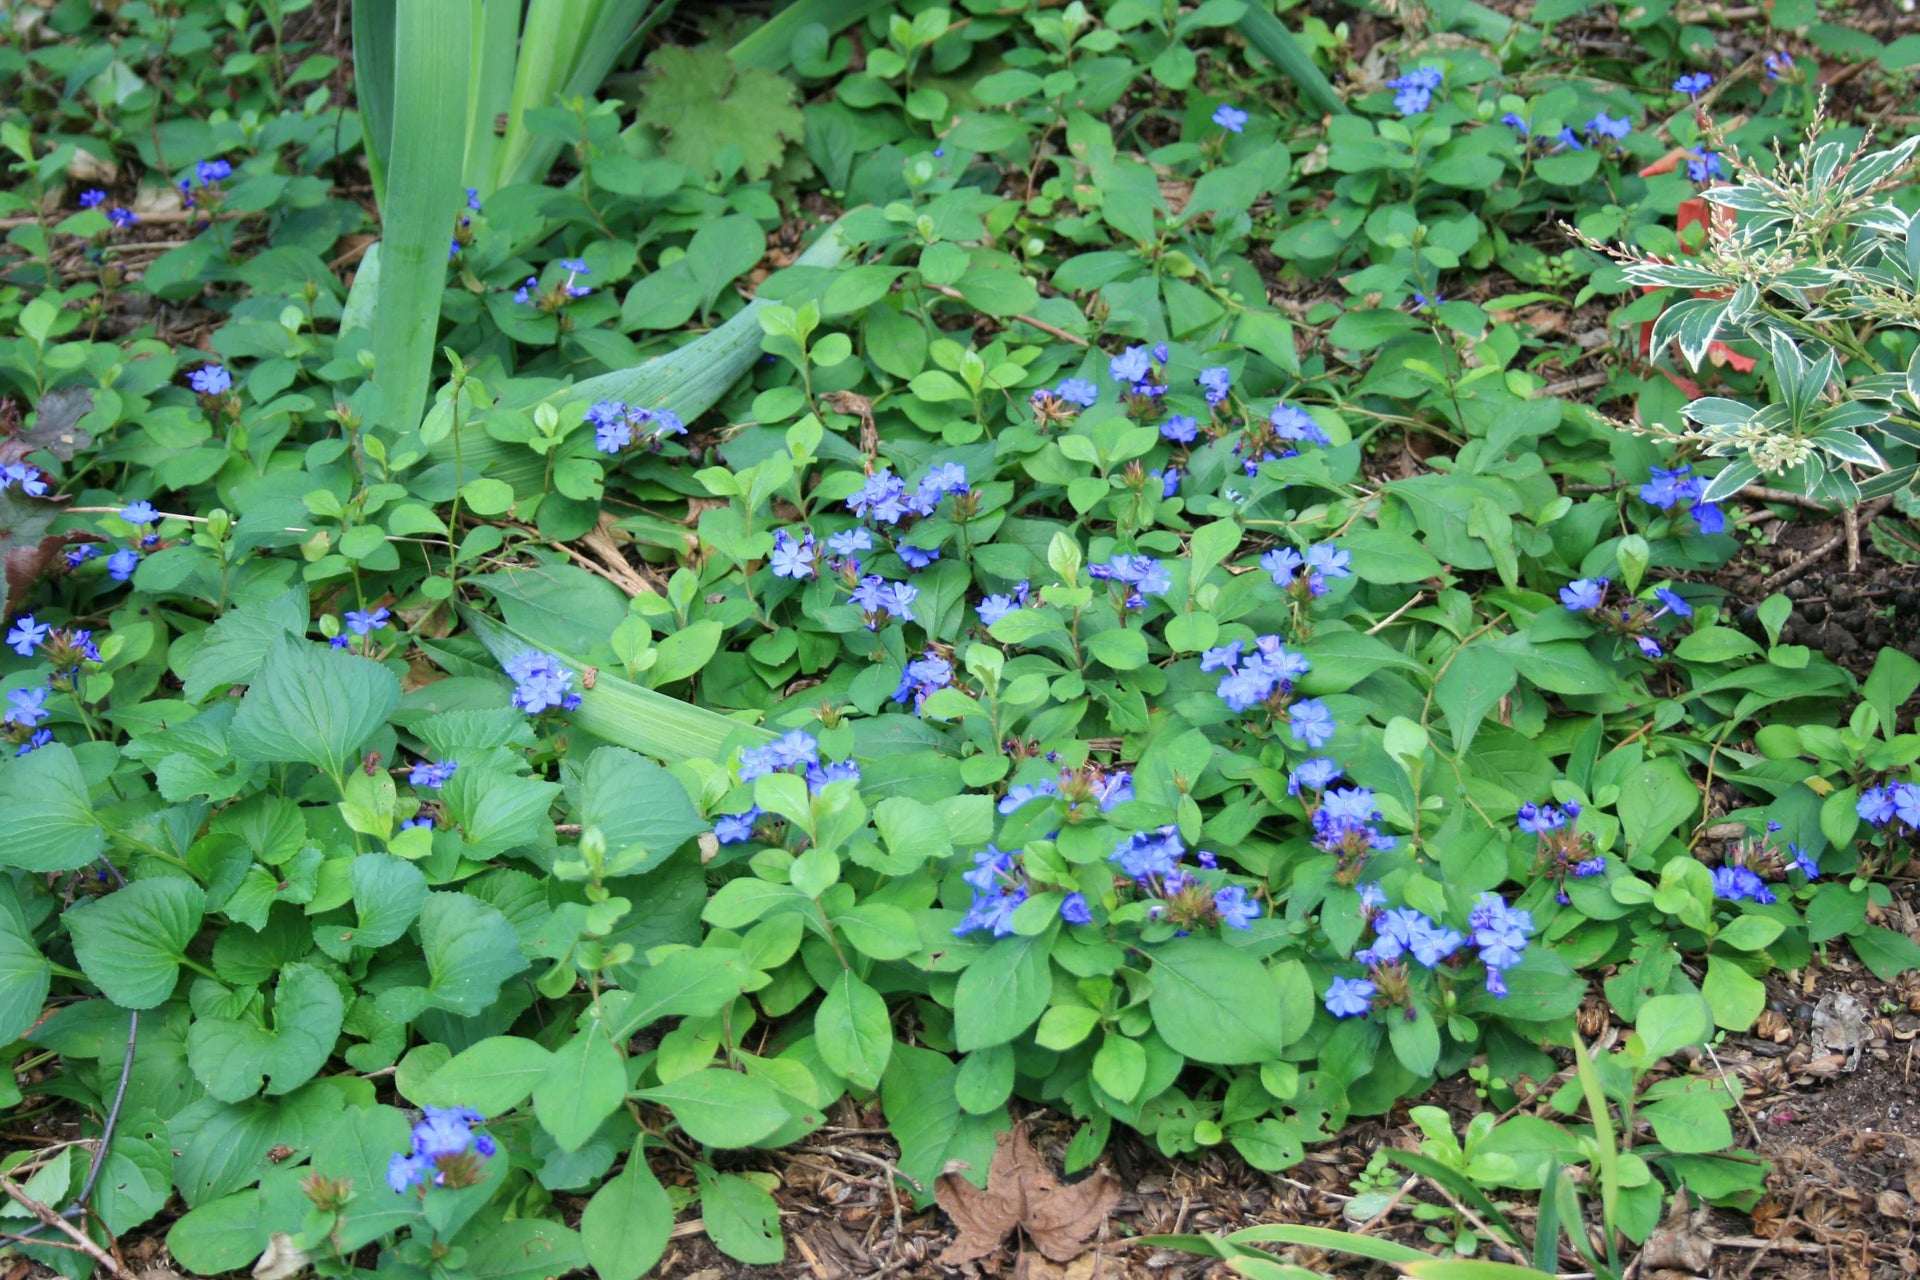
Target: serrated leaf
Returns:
[231, 1055]
[314, 705]
[47, 821]
[130, 942]
[703, 103]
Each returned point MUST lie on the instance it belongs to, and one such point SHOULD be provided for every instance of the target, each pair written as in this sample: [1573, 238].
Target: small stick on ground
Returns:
[1827, 548]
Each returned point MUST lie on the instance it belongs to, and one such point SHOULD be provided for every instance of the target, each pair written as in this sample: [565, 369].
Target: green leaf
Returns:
[25, 975]
[1668, 1024]
[312, 704]
[1735, 996]
[1887, 953]
[853, 1031]
[1120, 649]
[1003, 992]
[1655, 798]
[47, 821]
[432, 59]
[130, 943]
[492, 1077]
[1215, 1003]
[388, 893]
[230, 1055]
[237, 643]
[1415, 1040]
[1749, 933]
[742, 1220]
[1690, 1122]
[722, 1108]
[704, 103]
[626, 1225]
[1473, 684]
[358, 1146]
[1891, 682]
[585, 1082]
[636, 805]
[470, 949]
[224, 1234]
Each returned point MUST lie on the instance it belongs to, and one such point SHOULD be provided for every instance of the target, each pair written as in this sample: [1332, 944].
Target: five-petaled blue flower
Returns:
[141, 512]
[1310, 722]
[1074, 909]
[122, 563]
[1180, 428]
[432, 775]
[211, 380]
[28, 707]
[1350, 997]
[363, 622]
[1232, 119]
[793, 558]
[736, 827]
[1693, 84]
[26, 634]
[1235, 908]
[1583, 594]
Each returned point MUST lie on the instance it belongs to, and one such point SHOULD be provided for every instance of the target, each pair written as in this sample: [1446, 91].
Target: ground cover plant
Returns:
[591, 588]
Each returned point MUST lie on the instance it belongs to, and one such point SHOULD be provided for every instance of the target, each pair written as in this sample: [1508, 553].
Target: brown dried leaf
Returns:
[1022, 1191]
[1677, 1244]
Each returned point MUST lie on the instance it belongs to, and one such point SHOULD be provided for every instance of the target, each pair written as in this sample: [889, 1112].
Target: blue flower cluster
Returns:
[923, 677]
[446, 1151]
[1152, 860]
[1321, 561]
[1737, 882]
[1217, 382]
[119, 217]
[880, 599]
[31, 480]
[68, 649]
[1343, 824]
[1137, 577]
[1415, 89]
[1088, 784]
[1403, 931]
[431, 775]
[999, 887]
[1897, 802]
[794, 557]
[795, 751]
[617, 424]
[1064, 402]
[885, 498]
[1254, 677]
[1703, 165]
[1140, 370]
[1500, 932]
[541, 683]
[998, 606]
[206, 177]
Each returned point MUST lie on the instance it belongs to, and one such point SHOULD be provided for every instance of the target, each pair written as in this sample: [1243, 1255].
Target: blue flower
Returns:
[524, 294]
[736, 827]
[1169, 481]
[1779, 64]
[1906, 803]
[1077, 391]
[1804, 862]
[1315, 775]
[122, 563]
[883, 497]
[1675, 603]
[1584, 594]
[923, 677]
[820, 776]
[541, 682]
[473, 199]
[1875, 806]
[1372, 896]
[1022, 793]
[1539, 819]
[211, 380]
[29, 707]
[1605, 126]
[916, 557]
[212, 171]
[1222, 656]
[1704, 166]
[142, 512]
[1736, 883]
[26, 634]
[433, 776]
[793, 559]
[877, 597]
[1693, 84]
[424, 820]
[1235, 908]
[1217, 381]
[1513, 121]
[1148, 855]
[992, 912]
[613, 425]
[994, 608]
[1709, 517]
[1499, 931]
[1310, 722]
[1074, 909]
[40, 738]
[122, 217]
[1329, 560]
[1291, 422]
[1283, 563]
[1416, 89]
[1146, 575]
[30, 480]
[576, 265]
[339, 641]
[406, 1171]
[1665, 489]
[848, 542]
[1350, 997]
[366, 623]
[1349, 804]
[1130, 366]
[92, 198]
[1232, 119]
[1180, 428]
[1649, 647]
[77, 556]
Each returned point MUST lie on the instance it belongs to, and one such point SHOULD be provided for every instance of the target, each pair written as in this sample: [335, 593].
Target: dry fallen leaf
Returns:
[283, 1260]
[1022, 1191]
[1677, 1245]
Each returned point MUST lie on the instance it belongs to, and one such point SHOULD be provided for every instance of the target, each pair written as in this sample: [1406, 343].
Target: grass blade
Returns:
[1607, 1148]
[1327, 1238]
[1270, 36]
[495, 53]
[373, 35]
[433, 46]
[626, 714]
[1470, 1269]
[771, 44]
[689, 381]
[1457, 1183]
